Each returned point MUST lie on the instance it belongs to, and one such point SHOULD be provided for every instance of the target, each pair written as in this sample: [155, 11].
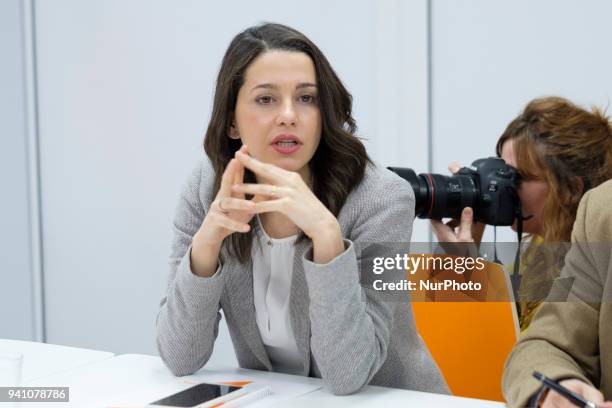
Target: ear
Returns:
[233, 132]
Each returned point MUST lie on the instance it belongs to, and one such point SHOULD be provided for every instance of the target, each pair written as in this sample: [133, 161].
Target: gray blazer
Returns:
[347, 334]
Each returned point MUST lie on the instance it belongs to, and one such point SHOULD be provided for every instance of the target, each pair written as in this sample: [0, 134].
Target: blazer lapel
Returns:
[240, 285]
[299, 306]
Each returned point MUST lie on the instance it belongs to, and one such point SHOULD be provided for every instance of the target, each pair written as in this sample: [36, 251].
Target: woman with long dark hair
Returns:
[269, 226]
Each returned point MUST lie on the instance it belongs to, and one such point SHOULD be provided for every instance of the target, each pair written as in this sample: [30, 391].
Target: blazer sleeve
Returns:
[188, 318]
[563, 338]
[351, 325]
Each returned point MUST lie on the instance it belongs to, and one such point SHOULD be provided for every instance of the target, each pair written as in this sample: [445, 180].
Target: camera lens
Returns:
[419, 185]
[450, 195]
[438, 196]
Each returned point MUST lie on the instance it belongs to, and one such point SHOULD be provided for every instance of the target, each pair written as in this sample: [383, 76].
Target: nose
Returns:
[287, 115]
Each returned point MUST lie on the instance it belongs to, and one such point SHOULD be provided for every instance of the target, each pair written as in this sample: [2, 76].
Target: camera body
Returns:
[489, 186]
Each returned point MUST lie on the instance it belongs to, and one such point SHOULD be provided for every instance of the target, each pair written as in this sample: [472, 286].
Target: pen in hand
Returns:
[571, 396]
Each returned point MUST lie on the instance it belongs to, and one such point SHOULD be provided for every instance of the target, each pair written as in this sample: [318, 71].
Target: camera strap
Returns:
[515, 279]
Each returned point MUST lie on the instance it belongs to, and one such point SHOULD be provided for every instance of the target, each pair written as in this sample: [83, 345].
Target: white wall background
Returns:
[124, 95]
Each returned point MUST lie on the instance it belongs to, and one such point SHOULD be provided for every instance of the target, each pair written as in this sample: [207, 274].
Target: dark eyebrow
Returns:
[272, 86]
[306, 85]
[264, 86]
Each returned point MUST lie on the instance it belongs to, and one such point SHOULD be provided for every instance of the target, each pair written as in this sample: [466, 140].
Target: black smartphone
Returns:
[196, 395]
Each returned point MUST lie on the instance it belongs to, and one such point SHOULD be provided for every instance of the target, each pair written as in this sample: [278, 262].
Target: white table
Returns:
[42, 360]
[377, 397]
[131, 380]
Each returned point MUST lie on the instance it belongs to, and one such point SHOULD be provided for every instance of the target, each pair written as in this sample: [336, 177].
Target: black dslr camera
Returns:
[489, 186]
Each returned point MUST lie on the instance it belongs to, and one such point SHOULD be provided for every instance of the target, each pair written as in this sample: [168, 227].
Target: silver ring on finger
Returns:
[273, 191]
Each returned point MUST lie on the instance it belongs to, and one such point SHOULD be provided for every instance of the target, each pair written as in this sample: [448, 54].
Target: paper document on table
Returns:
[283, 386]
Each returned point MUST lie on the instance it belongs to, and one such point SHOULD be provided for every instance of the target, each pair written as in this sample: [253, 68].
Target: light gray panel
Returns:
[125, 93]
[16, 312]
[401, 83]
[491, 57]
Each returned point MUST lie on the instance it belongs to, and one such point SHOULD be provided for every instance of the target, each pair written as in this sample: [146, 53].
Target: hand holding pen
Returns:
[570, 393]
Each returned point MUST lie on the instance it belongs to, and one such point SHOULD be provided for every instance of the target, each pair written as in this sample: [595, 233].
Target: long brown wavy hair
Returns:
[570, 149]
[340, 160]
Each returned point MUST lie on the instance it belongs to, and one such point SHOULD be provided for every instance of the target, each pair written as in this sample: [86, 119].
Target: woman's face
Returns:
[277, 113]
[532, 193]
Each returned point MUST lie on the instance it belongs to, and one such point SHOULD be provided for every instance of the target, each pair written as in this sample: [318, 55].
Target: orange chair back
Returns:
[470, 340]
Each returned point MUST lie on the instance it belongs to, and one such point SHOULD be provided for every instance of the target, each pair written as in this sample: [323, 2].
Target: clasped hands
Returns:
[284, 192]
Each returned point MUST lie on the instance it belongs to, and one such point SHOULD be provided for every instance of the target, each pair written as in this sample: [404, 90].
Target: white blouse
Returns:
[272, 271]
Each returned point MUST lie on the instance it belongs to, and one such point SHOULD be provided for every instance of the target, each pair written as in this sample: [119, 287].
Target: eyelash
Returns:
[269, 99]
